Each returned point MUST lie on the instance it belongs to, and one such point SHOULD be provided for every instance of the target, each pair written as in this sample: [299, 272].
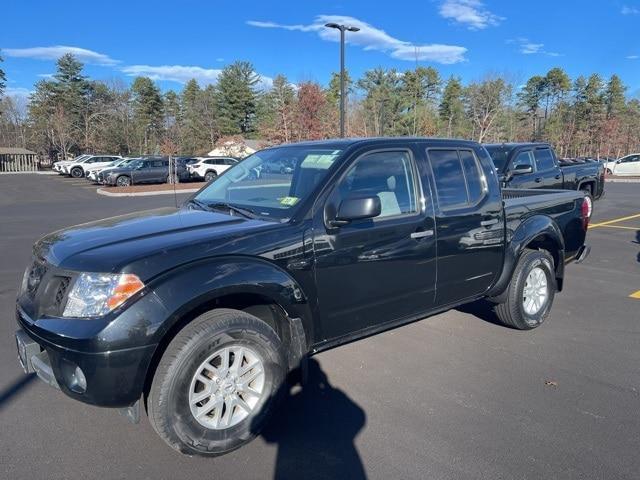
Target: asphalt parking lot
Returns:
[453, 396]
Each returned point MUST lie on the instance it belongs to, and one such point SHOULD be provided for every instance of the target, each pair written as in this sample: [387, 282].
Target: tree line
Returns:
[71, 113]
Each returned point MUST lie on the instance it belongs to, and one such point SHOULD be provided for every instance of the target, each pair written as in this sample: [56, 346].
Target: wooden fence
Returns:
[19, 162]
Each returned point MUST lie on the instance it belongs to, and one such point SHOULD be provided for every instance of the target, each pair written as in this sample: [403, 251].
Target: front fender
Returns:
[534, 228]
[183, 289]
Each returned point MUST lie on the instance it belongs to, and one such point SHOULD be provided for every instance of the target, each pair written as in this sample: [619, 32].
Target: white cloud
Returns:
[627, 10]
[471, 13]
[526, 47]
[57, 51]
[183, 73]
[17, 92]
[633, 57]
[372, 38]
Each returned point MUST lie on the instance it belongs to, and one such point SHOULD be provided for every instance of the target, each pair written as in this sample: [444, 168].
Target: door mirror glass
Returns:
[358, 208]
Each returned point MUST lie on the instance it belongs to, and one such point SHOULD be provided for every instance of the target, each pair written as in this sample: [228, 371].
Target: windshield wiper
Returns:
[199, 204]
[245, 212]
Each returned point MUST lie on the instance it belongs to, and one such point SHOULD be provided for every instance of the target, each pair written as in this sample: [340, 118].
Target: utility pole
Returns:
[342, 28]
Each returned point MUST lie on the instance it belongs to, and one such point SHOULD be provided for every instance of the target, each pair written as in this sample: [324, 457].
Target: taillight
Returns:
[586, 210]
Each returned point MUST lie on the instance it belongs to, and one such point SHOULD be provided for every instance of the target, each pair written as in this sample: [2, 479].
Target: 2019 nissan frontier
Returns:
[199, 313]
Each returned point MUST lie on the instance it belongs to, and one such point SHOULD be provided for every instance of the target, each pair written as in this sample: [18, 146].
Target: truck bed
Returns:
[563, 206]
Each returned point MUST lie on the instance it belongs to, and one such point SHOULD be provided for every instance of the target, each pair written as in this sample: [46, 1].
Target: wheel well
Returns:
[254, 304]
[587, 185]
[545, 242]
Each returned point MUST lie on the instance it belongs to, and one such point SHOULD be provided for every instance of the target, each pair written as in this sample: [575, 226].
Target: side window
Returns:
[449, 178]
[210, 162]
[632, 158]
[473, 175]
[161, 163]
[523, 158]
[229, 161]
[544, 159]
[389, 175]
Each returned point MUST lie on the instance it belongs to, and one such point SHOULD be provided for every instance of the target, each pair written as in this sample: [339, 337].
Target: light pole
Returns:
[342, 28]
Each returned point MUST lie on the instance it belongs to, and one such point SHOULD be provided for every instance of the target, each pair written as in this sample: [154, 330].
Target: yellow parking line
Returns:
[615, 220]
[635, 295]
[620, 226]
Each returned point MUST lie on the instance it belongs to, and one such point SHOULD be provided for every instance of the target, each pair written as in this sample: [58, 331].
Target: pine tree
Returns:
[192, 128]
[451, 109]
[276, 112]
[147, 114]
[3, 79]
[615, 96]
[237, 98]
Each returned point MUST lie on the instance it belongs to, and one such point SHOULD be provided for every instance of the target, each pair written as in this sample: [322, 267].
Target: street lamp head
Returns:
[353, 29]
[332, 25]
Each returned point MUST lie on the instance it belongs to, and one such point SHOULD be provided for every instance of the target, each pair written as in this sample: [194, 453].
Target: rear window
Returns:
[544, 159]
[459, 180]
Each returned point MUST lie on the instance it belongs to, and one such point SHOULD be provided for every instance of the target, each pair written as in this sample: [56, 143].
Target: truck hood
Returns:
[143, 241]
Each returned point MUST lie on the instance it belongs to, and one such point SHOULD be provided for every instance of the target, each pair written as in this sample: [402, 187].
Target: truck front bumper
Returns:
[109, 379]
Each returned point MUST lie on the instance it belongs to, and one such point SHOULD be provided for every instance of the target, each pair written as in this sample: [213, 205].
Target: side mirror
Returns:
[522, 169]
[357, 208]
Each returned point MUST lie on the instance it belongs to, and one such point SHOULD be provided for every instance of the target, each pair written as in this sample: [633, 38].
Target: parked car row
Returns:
[628, 165]
[113, 170]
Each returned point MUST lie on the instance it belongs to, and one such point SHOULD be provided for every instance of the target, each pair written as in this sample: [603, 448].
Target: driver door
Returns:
[375, 270]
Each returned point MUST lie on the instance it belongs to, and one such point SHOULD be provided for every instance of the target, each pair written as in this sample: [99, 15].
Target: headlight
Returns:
[95, 294]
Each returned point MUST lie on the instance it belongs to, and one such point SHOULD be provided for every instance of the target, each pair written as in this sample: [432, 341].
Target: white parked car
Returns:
[93, 171]
[628, 165]
[78, 169]
[209, 168]
[59, 166]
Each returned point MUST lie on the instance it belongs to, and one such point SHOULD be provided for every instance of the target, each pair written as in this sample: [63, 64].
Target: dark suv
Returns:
[145, 170]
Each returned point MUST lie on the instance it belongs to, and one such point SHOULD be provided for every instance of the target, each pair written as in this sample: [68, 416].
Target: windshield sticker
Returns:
[289, 201]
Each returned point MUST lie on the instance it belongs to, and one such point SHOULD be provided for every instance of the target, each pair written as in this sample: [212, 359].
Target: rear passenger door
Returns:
[469, 223]
[548, 174]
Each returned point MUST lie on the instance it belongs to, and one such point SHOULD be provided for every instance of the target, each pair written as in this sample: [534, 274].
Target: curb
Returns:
[623, 180]
[106, 193]
[29, 173]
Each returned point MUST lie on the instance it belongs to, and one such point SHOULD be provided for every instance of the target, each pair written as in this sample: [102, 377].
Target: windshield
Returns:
[271, 182]
[499, 155]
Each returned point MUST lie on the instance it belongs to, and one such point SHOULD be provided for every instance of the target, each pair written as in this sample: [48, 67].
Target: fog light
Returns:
[78, 381]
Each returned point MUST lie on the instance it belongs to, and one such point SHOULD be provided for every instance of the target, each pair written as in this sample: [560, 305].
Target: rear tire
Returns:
[171, 399]
[530, 293]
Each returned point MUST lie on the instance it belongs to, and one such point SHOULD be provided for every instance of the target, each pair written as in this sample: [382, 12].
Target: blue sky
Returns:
[172, 42]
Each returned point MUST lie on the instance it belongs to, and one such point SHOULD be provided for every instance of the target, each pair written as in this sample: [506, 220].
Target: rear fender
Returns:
[538, 231]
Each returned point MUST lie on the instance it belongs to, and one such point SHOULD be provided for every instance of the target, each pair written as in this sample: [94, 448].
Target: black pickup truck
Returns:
[200, 313]
[535, 165]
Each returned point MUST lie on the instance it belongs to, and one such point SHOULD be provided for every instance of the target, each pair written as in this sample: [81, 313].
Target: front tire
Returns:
[210, 176]
[530, 293]
[216, 383]
[77, 172]
[123, 181]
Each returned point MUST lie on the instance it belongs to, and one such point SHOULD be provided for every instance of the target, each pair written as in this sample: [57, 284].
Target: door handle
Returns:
[538, 180]
[422, 234]
[487, 223]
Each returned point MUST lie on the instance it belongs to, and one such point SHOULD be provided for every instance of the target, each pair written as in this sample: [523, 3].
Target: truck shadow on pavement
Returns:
[15, 388]
[315, 429]
[481, 309]
[637, 240]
